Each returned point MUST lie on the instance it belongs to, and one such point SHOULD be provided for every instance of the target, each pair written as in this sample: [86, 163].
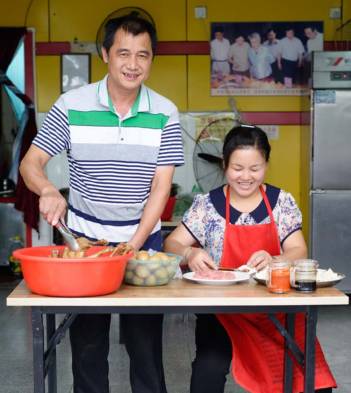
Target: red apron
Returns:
[258, 347]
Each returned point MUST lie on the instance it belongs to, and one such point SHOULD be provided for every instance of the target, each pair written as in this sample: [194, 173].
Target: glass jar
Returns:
[304, 275]
[278, 279]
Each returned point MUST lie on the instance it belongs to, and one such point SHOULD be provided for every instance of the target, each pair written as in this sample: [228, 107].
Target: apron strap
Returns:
[265, 199]
[268, 207]
[272, 222]
[227, 206]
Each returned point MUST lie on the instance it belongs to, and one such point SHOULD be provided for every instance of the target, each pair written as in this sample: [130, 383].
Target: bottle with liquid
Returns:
[304, 275]
[278, 280]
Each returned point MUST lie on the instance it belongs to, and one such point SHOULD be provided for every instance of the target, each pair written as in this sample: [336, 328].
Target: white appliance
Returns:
[330, 193]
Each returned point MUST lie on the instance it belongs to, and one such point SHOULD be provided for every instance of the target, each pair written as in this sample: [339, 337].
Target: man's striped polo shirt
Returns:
[112, 161]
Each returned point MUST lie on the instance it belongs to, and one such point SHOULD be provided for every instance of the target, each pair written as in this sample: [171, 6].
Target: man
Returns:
[274, 46]
[314, 40]
[238, 57]
[220, 54]
[123, 141]
[314, 43]
[292, 56]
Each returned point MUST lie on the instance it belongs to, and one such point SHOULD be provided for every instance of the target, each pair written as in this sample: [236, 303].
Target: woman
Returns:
[245, 221]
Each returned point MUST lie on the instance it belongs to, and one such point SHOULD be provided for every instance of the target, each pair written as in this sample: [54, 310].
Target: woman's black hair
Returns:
[243, 136]
[131, 24]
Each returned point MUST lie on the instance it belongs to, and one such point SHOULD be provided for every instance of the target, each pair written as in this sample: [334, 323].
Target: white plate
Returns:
[330, 283]
[239, 277]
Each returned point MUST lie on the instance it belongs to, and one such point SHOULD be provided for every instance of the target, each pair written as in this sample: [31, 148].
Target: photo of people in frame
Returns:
[75, 70]
[263, 58]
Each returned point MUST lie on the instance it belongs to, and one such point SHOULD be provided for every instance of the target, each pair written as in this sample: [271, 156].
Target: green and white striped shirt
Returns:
[112, 161]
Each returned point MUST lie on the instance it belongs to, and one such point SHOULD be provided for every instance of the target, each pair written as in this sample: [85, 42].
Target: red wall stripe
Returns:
[276, 118]
[183, 48]
[337, 45]
[169, 47]
[52, 48]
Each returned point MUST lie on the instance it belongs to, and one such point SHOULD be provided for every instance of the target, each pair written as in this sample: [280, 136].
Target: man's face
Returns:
[240, 40]
[219, 35]
[309, 33]
[271, 36]
[129, 60]
[290, 34]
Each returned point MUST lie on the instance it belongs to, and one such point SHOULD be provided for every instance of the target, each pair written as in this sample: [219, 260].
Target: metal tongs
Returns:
[67, 235]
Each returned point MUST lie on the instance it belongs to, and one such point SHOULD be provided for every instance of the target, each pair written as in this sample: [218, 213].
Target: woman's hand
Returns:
[199, 261]
[259, 259]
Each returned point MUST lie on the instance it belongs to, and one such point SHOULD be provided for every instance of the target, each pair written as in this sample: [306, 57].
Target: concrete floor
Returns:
[334, 331]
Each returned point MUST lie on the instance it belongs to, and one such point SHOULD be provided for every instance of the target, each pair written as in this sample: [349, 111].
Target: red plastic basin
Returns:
[49, 276]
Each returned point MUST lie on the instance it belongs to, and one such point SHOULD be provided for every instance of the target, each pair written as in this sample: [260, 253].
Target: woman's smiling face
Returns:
[246, 171]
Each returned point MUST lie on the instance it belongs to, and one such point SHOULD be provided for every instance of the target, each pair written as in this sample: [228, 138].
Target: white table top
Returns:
[183, 293]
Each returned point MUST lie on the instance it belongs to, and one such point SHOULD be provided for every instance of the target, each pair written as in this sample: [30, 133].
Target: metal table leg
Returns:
[52, 375]
[310, 344]
[291, 348]
[288, 361]
[38, 350]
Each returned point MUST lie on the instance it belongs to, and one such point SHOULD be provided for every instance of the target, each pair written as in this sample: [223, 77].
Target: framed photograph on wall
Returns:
[263, 58]
[75, 70]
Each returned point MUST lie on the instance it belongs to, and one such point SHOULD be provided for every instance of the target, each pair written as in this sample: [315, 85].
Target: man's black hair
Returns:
[132, 24]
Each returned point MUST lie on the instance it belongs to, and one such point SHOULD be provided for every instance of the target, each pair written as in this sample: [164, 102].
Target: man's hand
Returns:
[52, 205]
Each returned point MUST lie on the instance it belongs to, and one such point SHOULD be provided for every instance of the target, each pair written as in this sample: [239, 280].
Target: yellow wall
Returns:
[256, 10]
[285, 160]
[82, 19]
[48, 87]
[184, 79]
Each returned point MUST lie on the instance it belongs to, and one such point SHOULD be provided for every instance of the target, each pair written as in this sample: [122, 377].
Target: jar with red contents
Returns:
[278, 279]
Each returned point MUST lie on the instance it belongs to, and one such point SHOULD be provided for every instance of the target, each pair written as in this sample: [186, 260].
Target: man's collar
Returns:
[141, 103]
[103, 92]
